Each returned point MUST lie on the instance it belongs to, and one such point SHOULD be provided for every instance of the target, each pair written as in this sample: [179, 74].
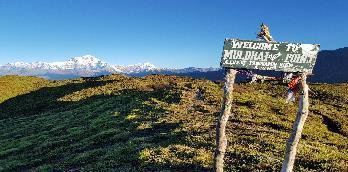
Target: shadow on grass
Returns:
[42, 100]
[38, 132]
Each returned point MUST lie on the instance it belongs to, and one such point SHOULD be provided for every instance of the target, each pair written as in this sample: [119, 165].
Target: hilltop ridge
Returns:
[162, 122]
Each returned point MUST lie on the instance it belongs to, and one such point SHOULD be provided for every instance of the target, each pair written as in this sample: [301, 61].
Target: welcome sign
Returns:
[287, 57]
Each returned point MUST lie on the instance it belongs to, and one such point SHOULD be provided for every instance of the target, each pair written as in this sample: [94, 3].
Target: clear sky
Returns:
[167, 33]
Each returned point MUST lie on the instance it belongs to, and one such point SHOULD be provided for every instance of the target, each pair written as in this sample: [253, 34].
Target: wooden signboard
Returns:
[277, 56]
[261, 55]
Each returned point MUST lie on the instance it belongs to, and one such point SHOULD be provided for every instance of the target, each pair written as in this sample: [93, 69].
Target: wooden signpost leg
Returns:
[221, 140]
[302, 114]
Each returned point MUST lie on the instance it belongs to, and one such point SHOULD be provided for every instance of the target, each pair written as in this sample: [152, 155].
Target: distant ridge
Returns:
[331, 67]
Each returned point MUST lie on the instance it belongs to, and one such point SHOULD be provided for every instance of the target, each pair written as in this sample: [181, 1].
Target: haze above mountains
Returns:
[331, 67]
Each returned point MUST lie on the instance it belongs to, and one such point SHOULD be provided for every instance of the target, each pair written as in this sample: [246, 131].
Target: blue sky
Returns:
[167, 33]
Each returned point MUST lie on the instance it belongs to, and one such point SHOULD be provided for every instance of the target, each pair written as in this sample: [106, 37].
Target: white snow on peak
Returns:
[86, 62]
[136, 68]
[147, 66]
[87, 65]
[86, 59]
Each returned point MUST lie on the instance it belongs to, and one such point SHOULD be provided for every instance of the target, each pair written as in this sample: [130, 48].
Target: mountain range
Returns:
[331, 67]
[87, 66]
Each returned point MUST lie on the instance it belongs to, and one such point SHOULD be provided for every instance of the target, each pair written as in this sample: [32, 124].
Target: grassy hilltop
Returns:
[160, 123]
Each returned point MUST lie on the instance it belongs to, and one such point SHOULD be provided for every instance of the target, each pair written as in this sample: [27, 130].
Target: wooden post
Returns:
[221, 140]
[302, 114]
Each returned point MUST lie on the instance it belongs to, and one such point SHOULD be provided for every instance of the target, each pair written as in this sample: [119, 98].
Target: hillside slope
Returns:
[160, 123]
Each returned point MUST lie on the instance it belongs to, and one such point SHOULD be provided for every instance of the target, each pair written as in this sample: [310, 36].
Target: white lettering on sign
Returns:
[288, 57]
[275, 47]
[254, 45]
[250, 55]
[297, 58]
[293, 47]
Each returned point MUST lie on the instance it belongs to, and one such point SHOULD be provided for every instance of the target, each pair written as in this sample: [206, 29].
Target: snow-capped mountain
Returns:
[136, 68]
[86, 62]
[85, 66]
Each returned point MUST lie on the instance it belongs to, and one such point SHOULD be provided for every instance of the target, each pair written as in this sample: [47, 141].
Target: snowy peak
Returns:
[87, 57]
[87, 60]
[84, 62]
[33, 65]
[136, 68]
[81, 63]
[146, 65]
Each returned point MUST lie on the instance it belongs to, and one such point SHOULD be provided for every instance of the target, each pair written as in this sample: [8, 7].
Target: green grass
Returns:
[163, 123]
